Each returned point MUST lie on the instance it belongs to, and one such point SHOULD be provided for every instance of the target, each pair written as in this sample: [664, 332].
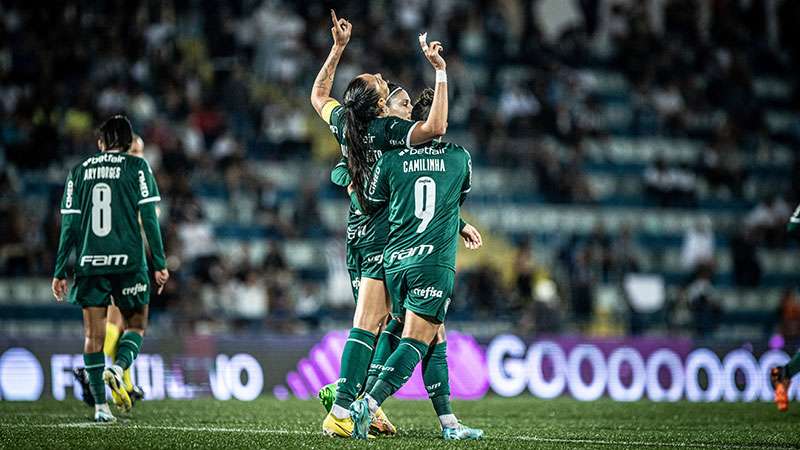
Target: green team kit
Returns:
[421, 189]
[366, 234]
[100, 209]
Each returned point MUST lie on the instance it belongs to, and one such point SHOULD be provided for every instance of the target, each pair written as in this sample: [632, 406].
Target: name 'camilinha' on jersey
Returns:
[423, 165]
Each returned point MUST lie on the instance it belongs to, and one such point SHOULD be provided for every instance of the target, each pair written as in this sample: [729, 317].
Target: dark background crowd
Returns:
[683, 112]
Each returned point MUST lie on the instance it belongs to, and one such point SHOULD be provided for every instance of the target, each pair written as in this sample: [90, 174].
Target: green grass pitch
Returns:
[522, 422]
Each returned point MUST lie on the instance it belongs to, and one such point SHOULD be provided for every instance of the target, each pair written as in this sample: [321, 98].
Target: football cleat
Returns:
[112, 376]
[103, 415]
[326, 396]
[136, 394]
[381, 425]
[80, 376]
[781, 382]
[361, 418]
[461, 433]
[334, 427]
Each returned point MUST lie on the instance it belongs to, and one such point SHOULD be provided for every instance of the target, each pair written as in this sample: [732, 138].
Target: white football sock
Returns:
[339, 412]
[448, 421]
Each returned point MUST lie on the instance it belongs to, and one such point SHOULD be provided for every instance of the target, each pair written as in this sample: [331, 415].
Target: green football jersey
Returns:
[384, 134]
[422, 189]
[105, 192]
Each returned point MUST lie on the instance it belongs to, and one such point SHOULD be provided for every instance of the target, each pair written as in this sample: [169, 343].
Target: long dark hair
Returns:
[361, 107]
[422, 105]
[116, 133]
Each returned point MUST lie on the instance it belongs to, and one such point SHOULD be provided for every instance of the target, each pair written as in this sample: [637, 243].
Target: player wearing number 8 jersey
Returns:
[103, 199]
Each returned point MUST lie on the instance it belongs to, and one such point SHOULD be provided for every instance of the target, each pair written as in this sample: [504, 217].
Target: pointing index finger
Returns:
[334, 18]
[423, 41]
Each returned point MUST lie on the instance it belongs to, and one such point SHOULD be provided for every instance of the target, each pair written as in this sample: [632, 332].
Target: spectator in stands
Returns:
[697, 253]
[625, 255]
[703, 303]
[768, 219]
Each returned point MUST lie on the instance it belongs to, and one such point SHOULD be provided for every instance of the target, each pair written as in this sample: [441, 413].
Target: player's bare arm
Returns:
[321, 91]
[436, 124]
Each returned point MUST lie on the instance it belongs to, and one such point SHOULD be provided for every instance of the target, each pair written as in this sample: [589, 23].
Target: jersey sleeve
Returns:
[466, 186]
[340, 175]
[398, 132]
[148, 188]
[69, 200]
[70, 221]
[378, 189]
[331, 111]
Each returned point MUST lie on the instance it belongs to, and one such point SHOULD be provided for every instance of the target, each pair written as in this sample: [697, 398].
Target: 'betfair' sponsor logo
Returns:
[104, 260]
[429, 292]
[135, 289]
[420, 250]
[105, 158]
[423, 151]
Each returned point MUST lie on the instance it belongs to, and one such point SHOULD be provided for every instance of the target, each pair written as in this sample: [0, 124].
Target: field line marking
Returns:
[500, 438]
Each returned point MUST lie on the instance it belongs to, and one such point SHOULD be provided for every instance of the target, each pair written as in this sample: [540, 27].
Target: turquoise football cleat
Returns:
[461, 433]
[359, 412]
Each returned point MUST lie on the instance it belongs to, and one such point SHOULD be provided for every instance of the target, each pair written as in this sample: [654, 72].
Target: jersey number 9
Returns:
[424, 201]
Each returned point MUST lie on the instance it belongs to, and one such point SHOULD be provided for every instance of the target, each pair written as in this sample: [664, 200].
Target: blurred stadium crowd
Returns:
[610, 138]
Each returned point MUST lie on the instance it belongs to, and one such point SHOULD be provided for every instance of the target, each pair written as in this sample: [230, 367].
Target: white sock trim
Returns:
[339, 412]
[372, 403]
[448, 420]
[415, 349]
[360, 342]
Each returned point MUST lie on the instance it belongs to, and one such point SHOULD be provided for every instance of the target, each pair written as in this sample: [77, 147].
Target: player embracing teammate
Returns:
[419, 277]
[105, 197]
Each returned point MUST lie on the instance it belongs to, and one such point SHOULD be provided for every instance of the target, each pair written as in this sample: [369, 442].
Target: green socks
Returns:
[436, 378]
[128, 348]
[793, 367]
[398, 368]
[387, 343]
[355, 362]
[95, 363]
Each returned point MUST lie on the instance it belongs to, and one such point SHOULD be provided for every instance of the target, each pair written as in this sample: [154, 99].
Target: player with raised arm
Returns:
[422, 189]
[399, 105]
[103, 199]
[364, 131]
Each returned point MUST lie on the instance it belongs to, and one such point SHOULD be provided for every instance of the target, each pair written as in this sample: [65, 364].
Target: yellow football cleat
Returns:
[113, 378]
[334, 427]
[381, 425]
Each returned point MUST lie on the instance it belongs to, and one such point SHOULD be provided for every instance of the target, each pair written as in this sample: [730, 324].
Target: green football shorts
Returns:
[130, 290]
[426, 291]
[364, 262]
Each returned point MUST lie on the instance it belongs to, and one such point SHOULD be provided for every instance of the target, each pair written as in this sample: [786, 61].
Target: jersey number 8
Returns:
[424, 201]
[101, 209]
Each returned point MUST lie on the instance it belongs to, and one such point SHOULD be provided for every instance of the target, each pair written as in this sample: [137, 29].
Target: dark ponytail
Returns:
[422, 106]
[361, 107]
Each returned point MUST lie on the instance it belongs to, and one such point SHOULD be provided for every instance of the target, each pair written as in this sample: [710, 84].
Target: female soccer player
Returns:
[398, 105]
[423, 192]
[103, 199]
[365, 131]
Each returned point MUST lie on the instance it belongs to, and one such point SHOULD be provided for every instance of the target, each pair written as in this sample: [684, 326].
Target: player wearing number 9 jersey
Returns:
[422, 188]
[103, 199]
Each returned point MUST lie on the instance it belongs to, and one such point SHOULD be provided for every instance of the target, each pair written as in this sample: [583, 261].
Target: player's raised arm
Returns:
[436, 124]
[321, 91]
